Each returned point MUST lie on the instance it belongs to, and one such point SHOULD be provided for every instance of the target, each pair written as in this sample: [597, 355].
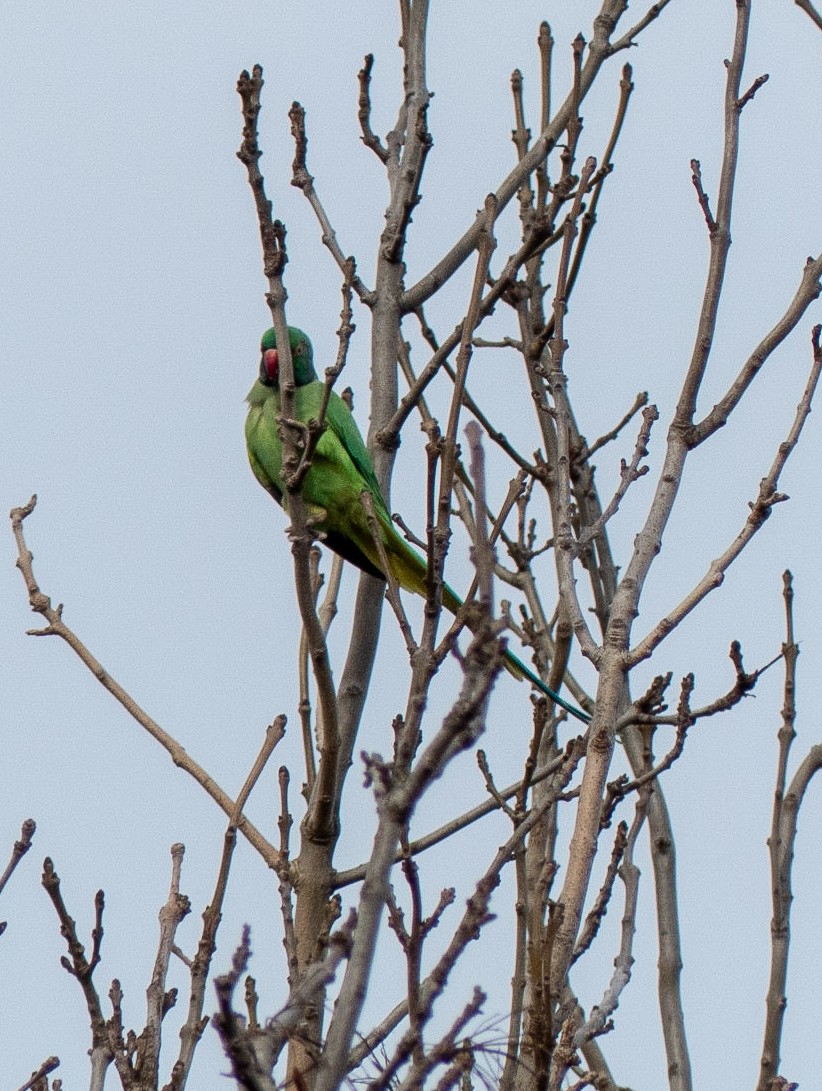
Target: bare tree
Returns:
[584, 607]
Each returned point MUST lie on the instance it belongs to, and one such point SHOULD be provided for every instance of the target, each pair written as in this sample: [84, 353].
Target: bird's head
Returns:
[302, 358]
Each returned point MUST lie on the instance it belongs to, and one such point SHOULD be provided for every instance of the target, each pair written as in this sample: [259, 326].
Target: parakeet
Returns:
[341, 470]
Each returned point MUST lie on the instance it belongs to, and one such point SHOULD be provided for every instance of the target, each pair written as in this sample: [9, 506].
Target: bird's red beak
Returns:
[271, 364]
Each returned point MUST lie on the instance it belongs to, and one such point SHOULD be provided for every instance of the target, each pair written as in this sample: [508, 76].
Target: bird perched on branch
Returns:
[340, 471]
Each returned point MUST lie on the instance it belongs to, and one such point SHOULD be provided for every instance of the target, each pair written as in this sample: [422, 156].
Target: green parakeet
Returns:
[341, 470]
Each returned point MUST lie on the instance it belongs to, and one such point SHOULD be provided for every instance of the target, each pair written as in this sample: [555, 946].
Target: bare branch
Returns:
[704, 202]
[39, 1076]
[781, 849]
[629, 39]
[629, 473]
[442, 833]
[760, 510]
[640, 402]
[79, 967]
[21, 847]
[810, 11]
[601, 48]
[41, 604]
[809, 290]
[629, 873]
[364, 112]
[302, 179]
[741, 103]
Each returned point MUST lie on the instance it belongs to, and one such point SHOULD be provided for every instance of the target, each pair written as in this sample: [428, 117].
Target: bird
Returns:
[340, 471]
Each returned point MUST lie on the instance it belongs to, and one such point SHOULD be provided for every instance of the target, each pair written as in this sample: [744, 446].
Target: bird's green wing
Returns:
[339, 419]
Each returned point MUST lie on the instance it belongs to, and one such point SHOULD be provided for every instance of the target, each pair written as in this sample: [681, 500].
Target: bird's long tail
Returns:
[410, 571]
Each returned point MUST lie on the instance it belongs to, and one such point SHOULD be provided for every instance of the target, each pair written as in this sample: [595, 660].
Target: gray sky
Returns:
[133, 305]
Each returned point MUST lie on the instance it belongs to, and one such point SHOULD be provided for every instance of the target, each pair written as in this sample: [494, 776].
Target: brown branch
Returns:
[364, 110]
[809, 290]
[545, 44]
[810, 11]
[597, 1021]
[629, 473]
[38, 1078]
[442, 833]
[286, 886]
[482, 549]
[303, 180]
[787, 802]
[41, 604]
[159, 1000]
[476, 913]
[742, 102]
[760, 509]
[640, 402]
[601, 48]
[80, 968]
[272, 232]
[557, 383]
[628, 39]
[19, 850]
[247, 1067]
[595, 917]
[704, 202]
[321, 817]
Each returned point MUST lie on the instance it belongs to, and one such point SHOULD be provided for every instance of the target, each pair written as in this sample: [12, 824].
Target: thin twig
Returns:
[780, 848]
[364, 110]
[810, 11]
[37, 1077]
[19, 850]
[303, 180]
[41, 604]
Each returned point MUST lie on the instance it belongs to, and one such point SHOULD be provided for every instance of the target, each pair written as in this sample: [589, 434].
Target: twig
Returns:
[557, 384]
[629, 873]
[41, 604]
[602, 48]
[629, 473]
[781, 848]
[246, 1065]
[159, 1001]
[21, 847]
[79, 967]
[364, 110]
[760, 510]
[629, 39]
[45, 1068]
[442, 833]
[742, 102]
[286, 886]
[476, 914]
[272, 232]
[640, 402]
[810, 11]
[304, 706]
[702, 196]
[596, 916]
[444, 1050]
[305, 182]
[809, 290]
[483, 553]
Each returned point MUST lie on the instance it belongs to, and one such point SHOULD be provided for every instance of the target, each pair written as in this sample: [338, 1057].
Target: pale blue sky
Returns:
[133, 305]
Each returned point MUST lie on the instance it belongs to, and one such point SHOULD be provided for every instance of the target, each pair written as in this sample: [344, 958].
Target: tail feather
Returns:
[519, 670]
